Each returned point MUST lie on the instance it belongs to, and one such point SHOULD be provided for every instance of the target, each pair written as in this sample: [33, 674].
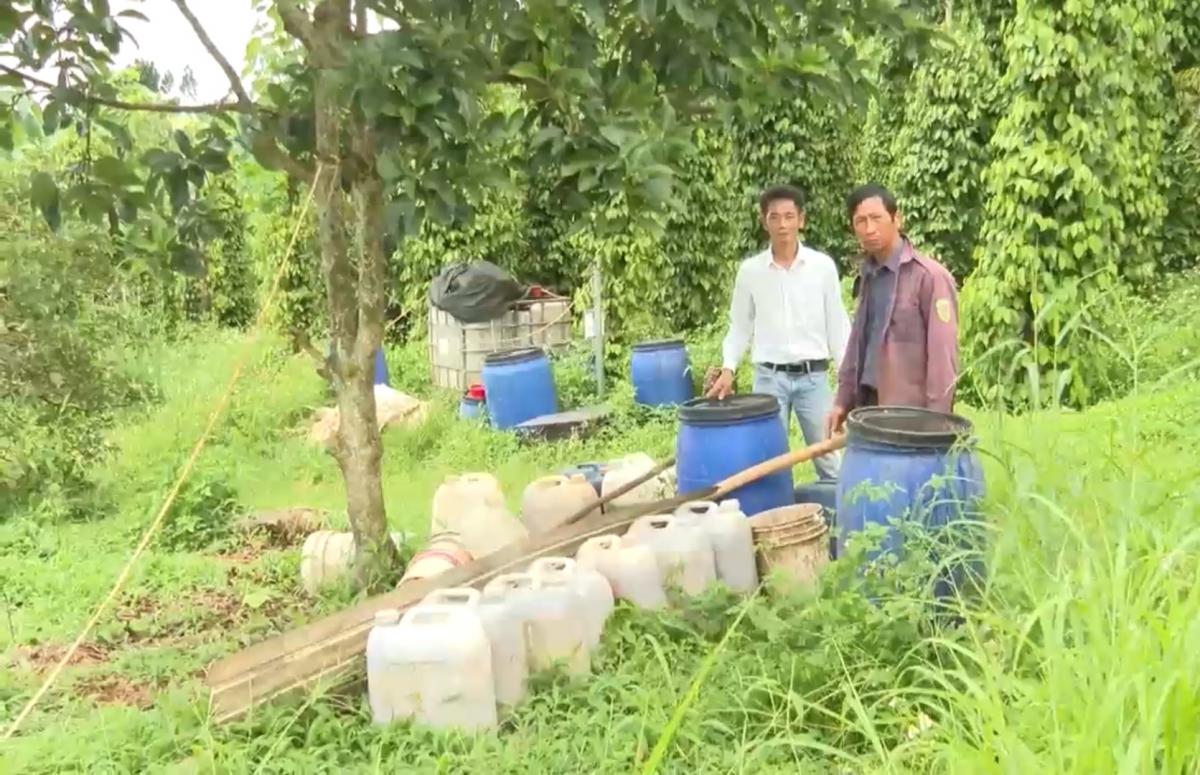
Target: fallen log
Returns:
[332, 649]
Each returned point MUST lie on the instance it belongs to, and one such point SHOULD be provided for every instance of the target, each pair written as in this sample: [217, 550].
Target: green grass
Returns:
[1082, 660]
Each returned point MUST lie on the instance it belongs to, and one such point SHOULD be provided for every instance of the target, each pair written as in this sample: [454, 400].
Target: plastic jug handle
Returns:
[697, 508]
[510, 581]
[607, 542]
[452, 596]
[422, 614]
[553, 564]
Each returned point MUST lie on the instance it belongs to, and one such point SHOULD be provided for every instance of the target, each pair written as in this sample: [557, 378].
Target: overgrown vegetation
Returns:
[1049, 156]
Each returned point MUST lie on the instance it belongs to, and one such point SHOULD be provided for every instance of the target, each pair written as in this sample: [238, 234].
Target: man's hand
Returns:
[834, 421]
[722, 387]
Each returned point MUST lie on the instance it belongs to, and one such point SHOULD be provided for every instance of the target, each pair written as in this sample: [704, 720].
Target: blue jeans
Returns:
[810, 397]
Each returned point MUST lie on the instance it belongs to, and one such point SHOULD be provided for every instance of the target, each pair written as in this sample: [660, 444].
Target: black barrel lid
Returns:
[903, 426]
[659, 344]
[517, 355]
[738, 407]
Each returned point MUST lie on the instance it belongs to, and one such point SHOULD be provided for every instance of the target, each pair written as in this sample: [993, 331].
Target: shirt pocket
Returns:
[908, 321]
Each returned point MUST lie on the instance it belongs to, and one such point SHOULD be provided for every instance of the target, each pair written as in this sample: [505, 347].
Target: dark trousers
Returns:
[867, 396]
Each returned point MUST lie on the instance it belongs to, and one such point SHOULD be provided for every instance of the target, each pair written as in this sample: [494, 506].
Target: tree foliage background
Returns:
[1049, 154]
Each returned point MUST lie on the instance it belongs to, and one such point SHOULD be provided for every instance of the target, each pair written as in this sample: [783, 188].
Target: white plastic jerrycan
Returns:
[594, 591]
[732, 540]
[550, 500]
[630, 568]
[557, 621]
[504, 609]
[681, 548]
[432, 665]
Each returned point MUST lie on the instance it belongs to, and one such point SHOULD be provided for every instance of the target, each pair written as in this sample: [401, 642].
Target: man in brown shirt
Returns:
[903, 347]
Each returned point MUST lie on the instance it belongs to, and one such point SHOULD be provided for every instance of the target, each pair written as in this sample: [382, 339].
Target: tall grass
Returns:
[1077, 660]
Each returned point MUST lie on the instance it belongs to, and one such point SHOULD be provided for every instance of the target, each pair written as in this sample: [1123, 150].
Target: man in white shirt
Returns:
[788, 301]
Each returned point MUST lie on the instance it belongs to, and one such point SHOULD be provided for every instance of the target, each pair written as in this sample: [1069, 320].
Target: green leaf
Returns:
[658, 190]
[526, 71]
[161, 161]
[44, 194]
[183, 142]
[178, 189]
[42, 189]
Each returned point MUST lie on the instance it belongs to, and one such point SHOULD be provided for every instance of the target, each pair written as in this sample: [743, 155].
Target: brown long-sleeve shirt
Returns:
[916, 363]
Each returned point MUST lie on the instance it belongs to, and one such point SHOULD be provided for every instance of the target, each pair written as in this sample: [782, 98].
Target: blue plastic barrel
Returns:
[592, 472]
[721, 437]
[380, 376]
[909, 464]
[660, 373]
[822, 492]
[519, 385]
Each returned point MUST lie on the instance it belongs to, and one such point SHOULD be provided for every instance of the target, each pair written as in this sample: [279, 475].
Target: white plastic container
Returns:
[626, 469]
[459, 493]
[557, 624]
[732, 540]
[505, 630]
[432, 665]
[327, 556]
[486, 530]
[593, 588]
[681, 548]
[503, 609]
[548, 501]
[630, 568]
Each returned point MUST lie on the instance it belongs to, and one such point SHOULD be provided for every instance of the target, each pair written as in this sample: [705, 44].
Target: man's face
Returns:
[874, 226]
[783, 221]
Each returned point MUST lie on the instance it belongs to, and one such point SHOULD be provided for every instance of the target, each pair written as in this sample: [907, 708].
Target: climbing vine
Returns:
[810, 142]
[941, 148]
[1073, 200]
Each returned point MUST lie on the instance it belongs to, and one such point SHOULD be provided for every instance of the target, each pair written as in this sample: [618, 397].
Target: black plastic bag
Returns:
[474, 293]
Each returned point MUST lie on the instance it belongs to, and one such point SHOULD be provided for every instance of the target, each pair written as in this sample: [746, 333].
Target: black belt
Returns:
[803, 367]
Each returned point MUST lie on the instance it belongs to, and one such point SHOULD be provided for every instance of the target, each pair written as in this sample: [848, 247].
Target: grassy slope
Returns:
[1082, 665]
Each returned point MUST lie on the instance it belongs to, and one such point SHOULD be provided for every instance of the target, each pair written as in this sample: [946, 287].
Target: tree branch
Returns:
[209, 108]
[235, 82]
[295, 21]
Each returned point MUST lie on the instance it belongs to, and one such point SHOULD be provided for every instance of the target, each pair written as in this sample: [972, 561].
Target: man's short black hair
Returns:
[775, 193]
[870, 191]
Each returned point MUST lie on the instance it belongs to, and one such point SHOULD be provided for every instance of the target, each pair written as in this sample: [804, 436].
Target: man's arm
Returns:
[837, 322]
[940, 299]
[741, 320]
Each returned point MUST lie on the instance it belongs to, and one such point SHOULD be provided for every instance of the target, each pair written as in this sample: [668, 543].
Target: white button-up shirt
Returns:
[792, 315]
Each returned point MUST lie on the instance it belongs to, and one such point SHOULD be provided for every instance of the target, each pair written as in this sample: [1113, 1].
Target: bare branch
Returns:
[267, 151]
[235, 82]
[145, 107]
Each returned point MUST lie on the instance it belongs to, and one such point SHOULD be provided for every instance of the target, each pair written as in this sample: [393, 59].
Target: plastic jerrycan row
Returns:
[699, 543]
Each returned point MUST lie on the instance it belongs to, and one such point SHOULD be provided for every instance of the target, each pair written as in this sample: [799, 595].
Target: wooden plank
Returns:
[300, 658]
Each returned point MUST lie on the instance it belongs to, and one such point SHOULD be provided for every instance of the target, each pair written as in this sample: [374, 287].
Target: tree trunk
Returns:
[355, 318]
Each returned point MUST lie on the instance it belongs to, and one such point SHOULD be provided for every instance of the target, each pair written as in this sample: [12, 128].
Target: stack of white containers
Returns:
[452, 659]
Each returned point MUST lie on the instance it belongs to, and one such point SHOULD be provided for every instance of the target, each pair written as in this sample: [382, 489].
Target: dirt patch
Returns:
[281, 528]
[44, 657]
[266, 531]
[114, 689]
[198, 616]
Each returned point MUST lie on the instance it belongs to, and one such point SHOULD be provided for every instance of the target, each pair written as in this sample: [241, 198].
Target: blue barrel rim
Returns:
[736, 408]
[654, 345]
[884, 425]
[515, 355]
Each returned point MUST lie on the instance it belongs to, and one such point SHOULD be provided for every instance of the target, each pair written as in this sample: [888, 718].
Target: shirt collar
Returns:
[769, 258]
[893, 262]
